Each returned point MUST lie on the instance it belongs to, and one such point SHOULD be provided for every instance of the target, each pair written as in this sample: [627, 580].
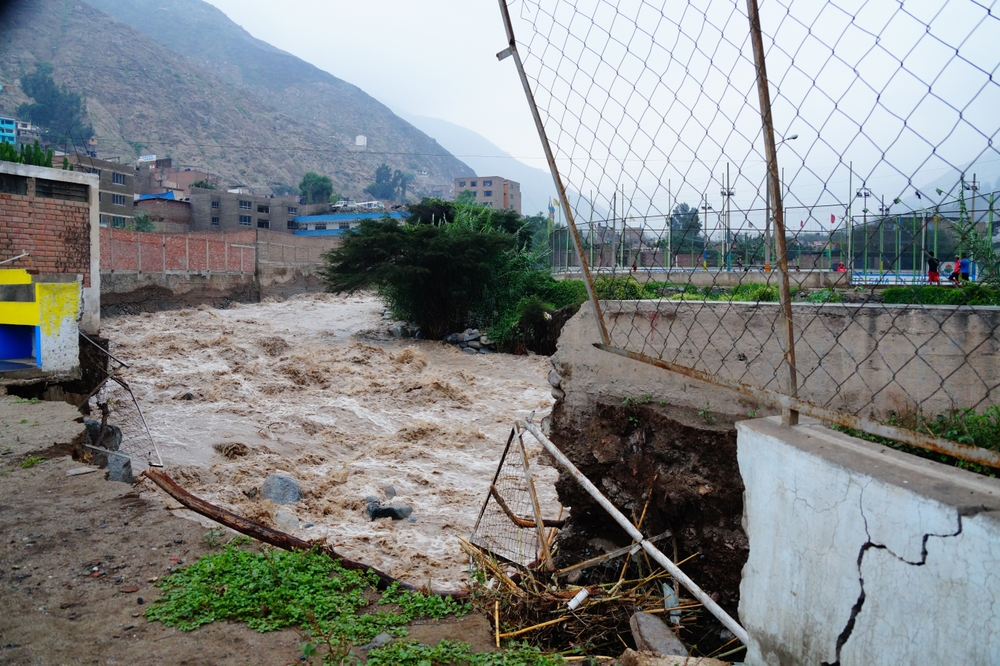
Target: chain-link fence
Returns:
[795, 200]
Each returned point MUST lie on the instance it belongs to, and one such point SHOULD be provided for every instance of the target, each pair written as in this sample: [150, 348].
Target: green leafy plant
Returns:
[706, 414]
[31, 461]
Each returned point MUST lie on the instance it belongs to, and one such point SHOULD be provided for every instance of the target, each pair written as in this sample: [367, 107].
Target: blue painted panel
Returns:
[17, 341]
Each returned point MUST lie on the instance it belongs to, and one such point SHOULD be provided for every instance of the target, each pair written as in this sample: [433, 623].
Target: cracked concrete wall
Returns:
[860, 554]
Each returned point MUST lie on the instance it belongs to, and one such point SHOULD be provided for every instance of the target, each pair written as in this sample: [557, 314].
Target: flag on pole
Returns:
[833, 219]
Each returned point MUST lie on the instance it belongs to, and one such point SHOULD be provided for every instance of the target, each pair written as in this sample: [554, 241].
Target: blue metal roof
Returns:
[348, 217]
[169, 196]
[319, 232]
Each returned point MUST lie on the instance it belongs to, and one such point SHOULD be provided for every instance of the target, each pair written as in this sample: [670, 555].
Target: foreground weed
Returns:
[31, 461]
[452, 653]
[273, 589]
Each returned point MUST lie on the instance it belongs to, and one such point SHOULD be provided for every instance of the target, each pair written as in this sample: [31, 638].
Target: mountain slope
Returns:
[143, 97]
[207, 37]
[487, 159]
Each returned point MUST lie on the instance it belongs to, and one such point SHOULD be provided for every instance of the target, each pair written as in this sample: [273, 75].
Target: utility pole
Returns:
[727, 193]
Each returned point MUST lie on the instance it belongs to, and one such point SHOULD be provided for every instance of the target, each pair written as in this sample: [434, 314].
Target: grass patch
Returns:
[273, 589]
[965, 426]
[31, 461]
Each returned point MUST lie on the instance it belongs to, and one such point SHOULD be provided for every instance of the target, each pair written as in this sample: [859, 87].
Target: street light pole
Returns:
[705, 206]
[727, 192]
[863, 193]
[883, 212]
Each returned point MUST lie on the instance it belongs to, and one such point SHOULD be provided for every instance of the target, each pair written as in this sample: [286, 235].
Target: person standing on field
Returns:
[964, 267]
[933, 277]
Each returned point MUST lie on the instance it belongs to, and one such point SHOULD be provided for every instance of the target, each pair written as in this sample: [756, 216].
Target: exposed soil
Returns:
[57, 529]
[687, 461]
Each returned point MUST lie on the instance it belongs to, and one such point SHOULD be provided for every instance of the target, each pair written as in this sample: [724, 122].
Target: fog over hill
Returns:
[181, 80]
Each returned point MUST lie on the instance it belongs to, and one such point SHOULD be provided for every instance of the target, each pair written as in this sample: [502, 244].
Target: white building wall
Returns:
[860, 554]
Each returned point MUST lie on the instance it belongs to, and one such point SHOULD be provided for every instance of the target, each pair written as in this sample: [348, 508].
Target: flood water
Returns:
[316, 389]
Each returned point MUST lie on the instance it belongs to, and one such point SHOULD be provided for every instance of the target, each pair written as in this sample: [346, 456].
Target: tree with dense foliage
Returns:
[315, 188]
[57, 110]
[141, 221]
[389, 185]
[203, 184]
[466, 197]
[447, 267]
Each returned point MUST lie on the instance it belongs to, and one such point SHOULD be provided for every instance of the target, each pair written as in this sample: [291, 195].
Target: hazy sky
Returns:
[426, 57]
[655, 99]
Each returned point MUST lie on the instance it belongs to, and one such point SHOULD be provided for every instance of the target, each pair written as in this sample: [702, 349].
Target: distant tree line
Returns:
[56, 110]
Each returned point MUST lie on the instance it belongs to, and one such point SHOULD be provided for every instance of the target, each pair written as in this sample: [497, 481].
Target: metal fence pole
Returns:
[789, 416]
[511, 50]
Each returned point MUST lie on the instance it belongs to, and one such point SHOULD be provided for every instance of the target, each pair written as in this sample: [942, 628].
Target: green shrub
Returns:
[825, 296]
[622, 288]
[968, 294]
[757, 293]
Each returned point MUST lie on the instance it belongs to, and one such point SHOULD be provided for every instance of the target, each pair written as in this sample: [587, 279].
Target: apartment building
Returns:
[8, 130]
[491, 191]
[116, 191]
[218, 210]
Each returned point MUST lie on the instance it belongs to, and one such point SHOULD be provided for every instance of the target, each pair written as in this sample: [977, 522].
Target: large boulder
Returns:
[281, 489]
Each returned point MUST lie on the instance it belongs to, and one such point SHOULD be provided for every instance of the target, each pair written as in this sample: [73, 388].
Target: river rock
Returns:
[469, 334]
[286, 521]
[554, 379]
[281, 489]
[475, 344]
[652, 635]
[375, 510]
[120, 468]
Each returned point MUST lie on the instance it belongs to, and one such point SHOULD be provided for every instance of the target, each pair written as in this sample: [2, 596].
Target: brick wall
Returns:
[290, 250]
[135, 251]
[54, 231]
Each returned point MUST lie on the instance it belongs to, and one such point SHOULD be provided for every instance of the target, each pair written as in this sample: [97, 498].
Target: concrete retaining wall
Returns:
[132, 292]
[860, 554]
[858, 358]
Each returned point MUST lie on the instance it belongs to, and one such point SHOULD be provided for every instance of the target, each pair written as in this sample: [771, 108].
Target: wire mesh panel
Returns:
[125, 414]
[506, 526]
[774, 198]
[114, 403]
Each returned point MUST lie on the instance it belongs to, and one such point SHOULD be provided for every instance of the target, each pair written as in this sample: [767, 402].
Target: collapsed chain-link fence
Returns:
[122, 427]
[767, 198]
[507, 525]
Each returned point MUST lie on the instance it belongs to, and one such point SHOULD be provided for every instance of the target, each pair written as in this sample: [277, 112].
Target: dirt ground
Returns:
[59, 530]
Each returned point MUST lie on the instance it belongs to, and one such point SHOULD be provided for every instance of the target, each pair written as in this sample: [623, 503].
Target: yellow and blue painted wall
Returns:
[39, 317]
